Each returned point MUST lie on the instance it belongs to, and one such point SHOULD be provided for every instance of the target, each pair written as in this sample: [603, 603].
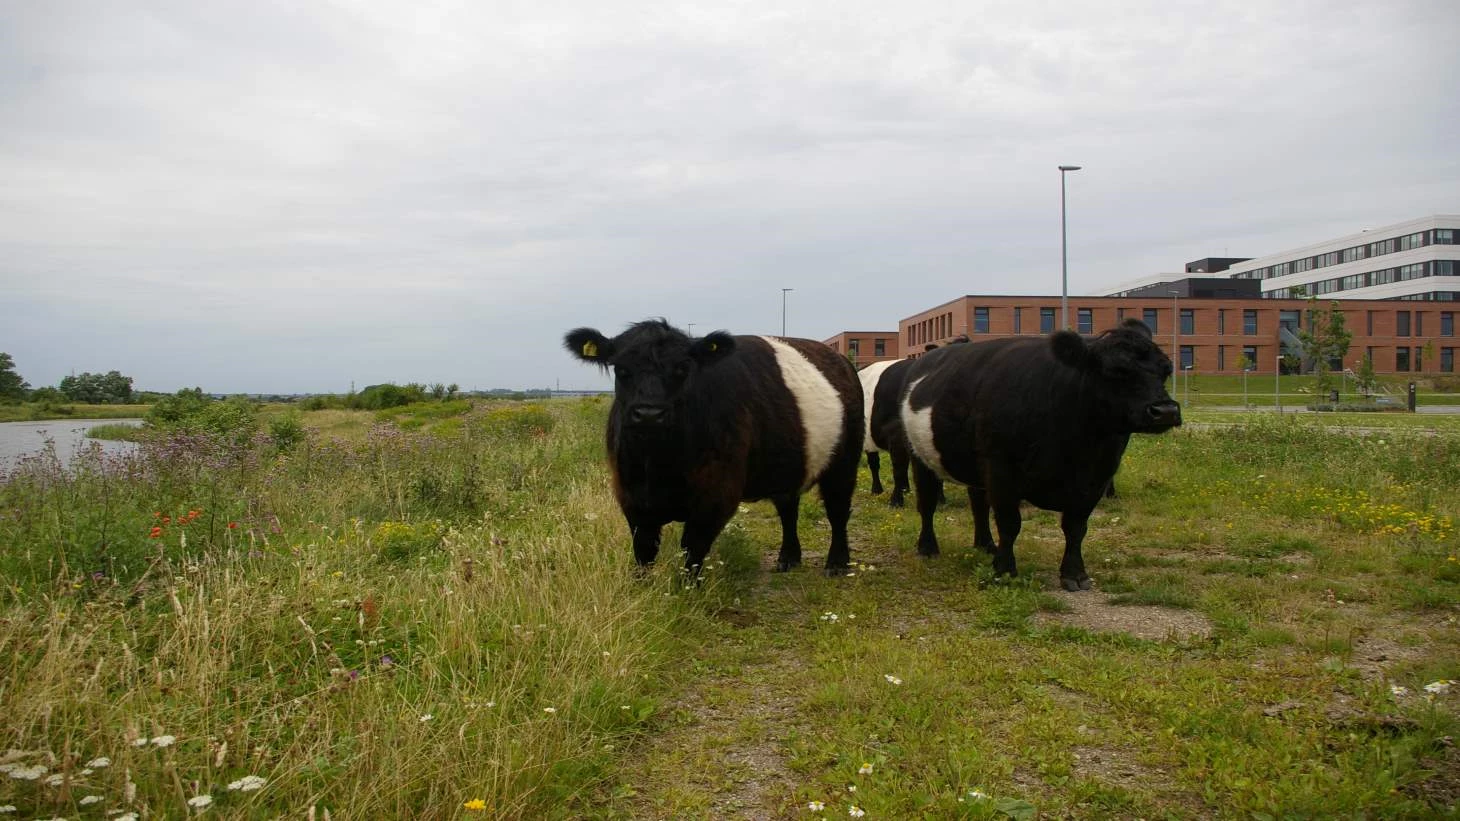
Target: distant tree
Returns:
[1326, 340]
[110, 388]
[12, 387]
[1364, 377]
[438, 391]
[452, 390]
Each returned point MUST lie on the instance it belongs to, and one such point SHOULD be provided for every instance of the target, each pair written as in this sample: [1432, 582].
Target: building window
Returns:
[1411, 242]
[1444, 267]
[1353, 281]
[1292, 320]
[1355, 254]
[1188, 357]
[1447, 360]
[879, 347]
[1381, 248]
[1119, 316]
[1046, 320]
[1249, 322]
[1148, 316]
[1444, 236]
[1018, 321]
[1249, 353]
[1401, 323]
[1401, 359]
[1188, 321]
[1221, 326]
[1419, 359]
[1447, 323]
[1221, 357]
[1085, 320]
[1419, 323]
[854, 348]
[1414, 271]
[980, 320]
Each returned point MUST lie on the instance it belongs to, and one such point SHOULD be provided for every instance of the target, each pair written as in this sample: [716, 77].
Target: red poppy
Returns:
[233, 525]
[156, 533]
[167, 520]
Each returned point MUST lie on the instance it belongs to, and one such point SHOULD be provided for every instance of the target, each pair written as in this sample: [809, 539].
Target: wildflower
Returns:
[978, 795]
[866, 769]
[549, 709]
[130, 816]
[475, 805]
[1437, 687]
[1398, 690]
[856, 811]
[200, 801]
[248, 783]
[55, 780]
[816, 806]
[164, 740]
[31, 773]
[155, 533]
[8, 808]
[233, 525]
[90, 799]
[891, 679]
[99, 763]
[427, 717]
[141, 742]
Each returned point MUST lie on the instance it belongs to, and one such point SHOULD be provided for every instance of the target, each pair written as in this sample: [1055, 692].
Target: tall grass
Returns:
[388, 628]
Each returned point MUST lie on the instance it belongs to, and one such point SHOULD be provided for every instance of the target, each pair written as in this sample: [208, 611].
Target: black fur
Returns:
[698, 425]
[1044, 420]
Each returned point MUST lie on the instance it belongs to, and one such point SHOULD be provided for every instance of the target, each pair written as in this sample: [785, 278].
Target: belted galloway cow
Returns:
[1040, 419]
[699, 424]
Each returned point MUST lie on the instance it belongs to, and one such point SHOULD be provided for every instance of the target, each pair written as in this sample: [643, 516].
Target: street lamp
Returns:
[691, 328]
[1175, 326]
[783, 309]
[1064, 253]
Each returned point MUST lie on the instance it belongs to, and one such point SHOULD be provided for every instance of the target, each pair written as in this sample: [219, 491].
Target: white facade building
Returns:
[1415, 260]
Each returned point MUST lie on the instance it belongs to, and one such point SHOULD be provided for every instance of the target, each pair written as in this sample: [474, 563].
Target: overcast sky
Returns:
[294, 197]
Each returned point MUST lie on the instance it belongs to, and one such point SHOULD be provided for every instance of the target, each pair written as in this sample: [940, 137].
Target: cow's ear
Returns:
[1138, 326]
[710, 349]
[1070, 349]
[589, 345]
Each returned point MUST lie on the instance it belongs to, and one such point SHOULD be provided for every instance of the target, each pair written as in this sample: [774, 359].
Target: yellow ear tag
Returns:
[590, 349]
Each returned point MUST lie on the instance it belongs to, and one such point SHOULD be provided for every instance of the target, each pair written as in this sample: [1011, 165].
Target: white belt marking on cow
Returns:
[919, 427]
[819, 403]
[870, 375]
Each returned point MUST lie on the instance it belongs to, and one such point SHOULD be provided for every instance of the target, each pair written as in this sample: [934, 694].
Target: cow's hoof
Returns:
[837, 572]
[876, 491]
[896, 501]
[1076, 585]
[987, 547]
[782, 565]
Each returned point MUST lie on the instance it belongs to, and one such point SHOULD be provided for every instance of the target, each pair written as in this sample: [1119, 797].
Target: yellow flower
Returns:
[476, 805]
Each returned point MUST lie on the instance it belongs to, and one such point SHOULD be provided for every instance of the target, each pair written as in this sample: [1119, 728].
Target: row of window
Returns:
[1437, 236]
[1403, 273]
[854, 348]
[927, 330]
[1405, 359]
[1291, 319]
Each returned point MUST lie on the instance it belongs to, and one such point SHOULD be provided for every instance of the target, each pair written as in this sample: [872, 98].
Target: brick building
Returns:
[866, 347]
[1210, 334]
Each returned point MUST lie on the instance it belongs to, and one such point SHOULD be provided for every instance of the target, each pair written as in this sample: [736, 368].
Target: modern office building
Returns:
[865, 347]
[1417, 260]
[1207, 333]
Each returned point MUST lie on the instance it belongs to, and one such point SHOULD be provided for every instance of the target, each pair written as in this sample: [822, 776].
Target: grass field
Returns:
[432, 614]
[33, 412]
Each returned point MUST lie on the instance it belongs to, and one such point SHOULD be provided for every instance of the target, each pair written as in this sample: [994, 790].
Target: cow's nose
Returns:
[646, 415]
[1165, 413]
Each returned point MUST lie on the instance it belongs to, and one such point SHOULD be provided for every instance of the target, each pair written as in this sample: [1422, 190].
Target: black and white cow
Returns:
[882, 389]
[1039, 419]
[699, 424]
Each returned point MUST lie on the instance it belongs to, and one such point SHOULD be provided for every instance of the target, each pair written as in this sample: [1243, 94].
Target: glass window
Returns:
[1447, 323]
[1447, 360]
[1249, 322]
[1188, 321]
[1018, 321]
[1148, 316]
[1188, 357]
[1401, 323]
[1249, 352]
[1221, 327]
[1221, 357]
[1292, 320]
[1444, 236]
[1401, 359]
[1419, 360]
[1410, 242]
[1382, 247]
[980, 320]
[1355, 254]
[1085, 319]
[1046, 320]
[879, 347]
[854, 347]
[1444, 267]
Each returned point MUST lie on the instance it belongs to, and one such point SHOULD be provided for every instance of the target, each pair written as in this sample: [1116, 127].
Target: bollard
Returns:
[1412, 402]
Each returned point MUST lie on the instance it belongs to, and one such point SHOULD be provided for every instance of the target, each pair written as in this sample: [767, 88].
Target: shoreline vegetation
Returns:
[432, 610]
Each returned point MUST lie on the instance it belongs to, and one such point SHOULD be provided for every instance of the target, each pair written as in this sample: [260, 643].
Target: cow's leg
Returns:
[1110, 490]
[646, 538]
[978, 502]
[900, 459]
[788, 507]
[929, 488]
[1006, 517]
[837, 487]
[874, 467]
[699, 534]
[1072, 566]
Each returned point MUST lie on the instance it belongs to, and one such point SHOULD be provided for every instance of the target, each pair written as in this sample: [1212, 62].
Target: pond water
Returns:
[19, 439]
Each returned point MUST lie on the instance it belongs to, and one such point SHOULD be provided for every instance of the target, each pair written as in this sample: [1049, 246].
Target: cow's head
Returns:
[1126, 375]
[654, 367]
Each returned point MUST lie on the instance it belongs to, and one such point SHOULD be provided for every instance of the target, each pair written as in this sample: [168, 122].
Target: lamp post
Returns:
[1175, 326]
[691, 328]
[783, 309]
[1064, 253]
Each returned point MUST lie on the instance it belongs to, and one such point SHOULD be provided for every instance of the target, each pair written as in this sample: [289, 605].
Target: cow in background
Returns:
[699, 424]
[882, 389]
[1044, 420]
